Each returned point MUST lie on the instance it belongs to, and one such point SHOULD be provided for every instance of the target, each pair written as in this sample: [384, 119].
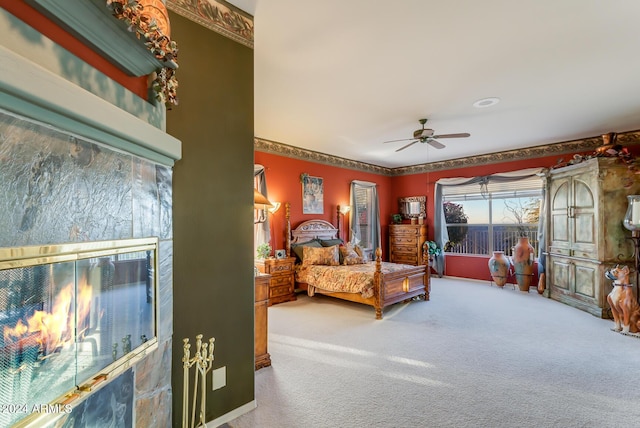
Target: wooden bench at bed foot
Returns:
[402, 286]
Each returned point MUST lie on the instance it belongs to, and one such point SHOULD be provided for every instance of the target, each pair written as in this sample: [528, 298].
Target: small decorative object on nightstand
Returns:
[282, 281]
[263, 251]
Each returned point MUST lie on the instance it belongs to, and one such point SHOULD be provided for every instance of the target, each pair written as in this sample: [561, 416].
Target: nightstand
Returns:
[282, 278]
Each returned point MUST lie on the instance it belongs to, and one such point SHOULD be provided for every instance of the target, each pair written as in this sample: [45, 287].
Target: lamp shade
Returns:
[260, 201]
[275, 206]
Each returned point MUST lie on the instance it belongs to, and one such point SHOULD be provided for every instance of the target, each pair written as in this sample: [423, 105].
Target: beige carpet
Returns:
[474, 356]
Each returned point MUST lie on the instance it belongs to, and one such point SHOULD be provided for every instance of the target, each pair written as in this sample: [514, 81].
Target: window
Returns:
[261, 231]
[365, 216]
[486, 216]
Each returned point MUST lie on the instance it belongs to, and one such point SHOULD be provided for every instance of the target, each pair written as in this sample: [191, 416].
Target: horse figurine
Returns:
[623, 302]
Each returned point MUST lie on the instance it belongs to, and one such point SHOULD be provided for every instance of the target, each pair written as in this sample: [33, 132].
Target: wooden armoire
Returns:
[587, 204]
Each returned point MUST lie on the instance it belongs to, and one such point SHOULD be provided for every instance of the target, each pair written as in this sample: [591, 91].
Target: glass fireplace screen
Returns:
[71, 317]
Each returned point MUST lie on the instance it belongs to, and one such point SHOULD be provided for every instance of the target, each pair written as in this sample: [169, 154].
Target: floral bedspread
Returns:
[349, 279]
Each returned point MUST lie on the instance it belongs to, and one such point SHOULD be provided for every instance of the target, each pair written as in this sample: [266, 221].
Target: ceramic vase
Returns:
[541, 283]
[499, 266]
[523, 256]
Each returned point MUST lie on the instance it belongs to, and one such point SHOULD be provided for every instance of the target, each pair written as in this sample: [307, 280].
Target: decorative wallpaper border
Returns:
[281, 149]
[567, 147]
[219, 16]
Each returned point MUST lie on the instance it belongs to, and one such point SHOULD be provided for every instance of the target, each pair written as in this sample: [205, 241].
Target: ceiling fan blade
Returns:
[461, 135]
[435, 144]
[410, 144]
[395, 141]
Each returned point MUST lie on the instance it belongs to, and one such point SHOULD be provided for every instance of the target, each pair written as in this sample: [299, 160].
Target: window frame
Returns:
[527, 183]
[492, 225]
[372, 231]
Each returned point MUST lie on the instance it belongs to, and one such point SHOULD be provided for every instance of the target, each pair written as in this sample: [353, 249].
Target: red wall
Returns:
[283, 181]
[423, 184]
[474, 267]
[44, 25]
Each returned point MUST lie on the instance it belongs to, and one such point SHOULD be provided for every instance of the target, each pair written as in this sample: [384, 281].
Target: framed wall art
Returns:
[312, 194]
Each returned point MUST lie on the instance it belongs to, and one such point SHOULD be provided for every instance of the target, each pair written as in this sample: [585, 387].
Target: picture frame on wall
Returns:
[312, 195]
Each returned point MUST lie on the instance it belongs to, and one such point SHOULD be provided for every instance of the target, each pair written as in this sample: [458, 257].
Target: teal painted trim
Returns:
[33, 46]
[91, 21]
[39, 94]
[64, 123]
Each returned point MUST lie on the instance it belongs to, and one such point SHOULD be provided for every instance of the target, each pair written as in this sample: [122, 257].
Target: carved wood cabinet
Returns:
[405, 243]
[263, 359]
[281, 284]
[587, 203]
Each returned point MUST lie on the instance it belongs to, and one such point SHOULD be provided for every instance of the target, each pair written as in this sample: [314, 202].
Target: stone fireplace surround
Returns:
[74, 167]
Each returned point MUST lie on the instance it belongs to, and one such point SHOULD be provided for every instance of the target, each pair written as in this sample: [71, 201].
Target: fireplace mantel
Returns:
[92, 21]
[34, 92]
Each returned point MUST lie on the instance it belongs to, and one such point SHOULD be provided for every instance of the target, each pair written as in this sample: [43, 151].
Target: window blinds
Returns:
[496, 188]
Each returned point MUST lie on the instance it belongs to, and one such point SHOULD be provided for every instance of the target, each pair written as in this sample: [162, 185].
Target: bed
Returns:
[375, 283]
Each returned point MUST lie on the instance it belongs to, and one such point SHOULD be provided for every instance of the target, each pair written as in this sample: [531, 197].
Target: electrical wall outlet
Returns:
[219, 376]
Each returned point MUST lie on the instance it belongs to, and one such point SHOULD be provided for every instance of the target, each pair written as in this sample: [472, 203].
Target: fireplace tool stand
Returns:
[203, 361]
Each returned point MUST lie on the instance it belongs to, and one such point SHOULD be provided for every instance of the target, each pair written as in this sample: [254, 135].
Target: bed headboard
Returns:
[310, 229]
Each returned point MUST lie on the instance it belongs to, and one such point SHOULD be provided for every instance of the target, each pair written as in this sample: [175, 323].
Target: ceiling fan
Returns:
[426, 136]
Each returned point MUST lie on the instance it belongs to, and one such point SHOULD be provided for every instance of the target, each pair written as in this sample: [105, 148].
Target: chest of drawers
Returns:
[405, 243]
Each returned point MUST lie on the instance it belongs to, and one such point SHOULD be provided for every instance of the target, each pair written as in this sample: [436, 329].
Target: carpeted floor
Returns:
[474, 356]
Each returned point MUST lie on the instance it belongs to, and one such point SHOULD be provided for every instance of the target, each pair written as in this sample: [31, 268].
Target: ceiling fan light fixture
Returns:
[426, 135]
[423, 133]
[486, 102]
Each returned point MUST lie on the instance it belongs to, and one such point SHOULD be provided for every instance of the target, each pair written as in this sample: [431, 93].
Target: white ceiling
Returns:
[340, 77]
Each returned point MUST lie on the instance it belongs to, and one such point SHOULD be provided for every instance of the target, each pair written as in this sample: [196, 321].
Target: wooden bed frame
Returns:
[389, 288]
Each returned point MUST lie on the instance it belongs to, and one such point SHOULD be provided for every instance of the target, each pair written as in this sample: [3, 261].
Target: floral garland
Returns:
[609, 149]
[165, 84]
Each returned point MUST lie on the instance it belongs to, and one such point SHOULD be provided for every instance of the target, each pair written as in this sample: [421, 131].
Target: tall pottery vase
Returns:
[499, 266]
[523, 255]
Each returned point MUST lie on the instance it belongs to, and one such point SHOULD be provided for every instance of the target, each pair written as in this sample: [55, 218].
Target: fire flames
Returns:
[53, 329]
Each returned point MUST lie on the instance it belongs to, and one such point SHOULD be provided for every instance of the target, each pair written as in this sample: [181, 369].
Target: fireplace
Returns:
[72, 317]
[82, 160]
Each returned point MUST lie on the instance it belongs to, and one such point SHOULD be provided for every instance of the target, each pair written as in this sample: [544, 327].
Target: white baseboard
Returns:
[227, 417]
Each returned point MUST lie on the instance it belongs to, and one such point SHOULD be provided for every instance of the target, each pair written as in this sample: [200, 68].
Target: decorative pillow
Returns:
[358, 249]
[331, 242]
[320, 256]
[297, 248]
[350, 255]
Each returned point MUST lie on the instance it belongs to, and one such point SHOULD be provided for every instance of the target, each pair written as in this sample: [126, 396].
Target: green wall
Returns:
[213, 207]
